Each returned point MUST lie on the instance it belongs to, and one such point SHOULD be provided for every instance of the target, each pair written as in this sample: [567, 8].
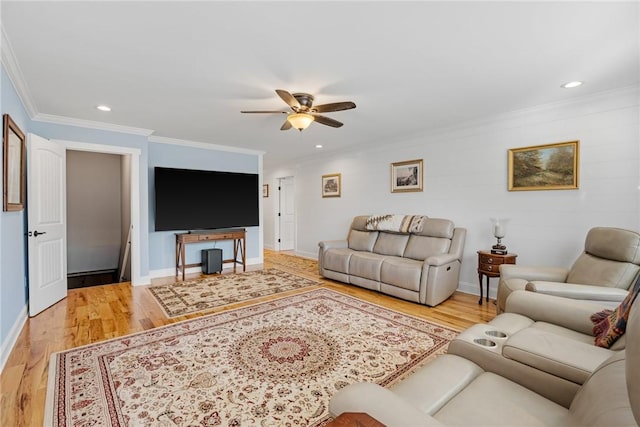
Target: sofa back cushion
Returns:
[437, 227]
[615, 244]
[591, 270]
[359, 223]
[391, 244]
[422, 247]
[362, 240]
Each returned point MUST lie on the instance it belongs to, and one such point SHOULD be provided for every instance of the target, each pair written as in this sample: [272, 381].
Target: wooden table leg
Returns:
[244, 253]
[480, 280]
[184, 261]
[487, 289]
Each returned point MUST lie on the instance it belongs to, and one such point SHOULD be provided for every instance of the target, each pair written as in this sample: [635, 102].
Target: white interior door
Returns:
[287, 214]
[47, 231]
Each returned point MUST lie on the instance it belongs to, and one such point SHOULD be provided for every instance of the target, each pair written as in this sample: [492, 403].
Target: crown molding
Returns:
[15, 75]
[204, 145]
[90, 124]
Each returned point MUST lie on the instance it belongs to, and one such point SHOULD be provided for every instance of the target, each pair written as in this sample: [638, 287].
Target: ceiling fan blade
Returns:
[289, 99]
[286, 125]
[335, 106]
[266, 112]
[326, 121]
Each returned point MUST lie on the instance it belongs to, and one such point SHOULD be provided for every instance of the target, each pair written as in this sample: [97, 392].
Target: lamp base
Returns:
[499, 249]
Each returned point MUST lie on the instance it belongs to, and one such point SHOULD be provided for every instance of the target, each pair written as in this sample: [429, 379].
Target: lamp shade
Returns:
[300, 121]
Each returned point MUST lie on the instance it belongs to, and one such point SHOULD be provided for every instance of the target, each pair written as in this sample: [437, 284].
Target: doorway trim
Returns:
[135, 153]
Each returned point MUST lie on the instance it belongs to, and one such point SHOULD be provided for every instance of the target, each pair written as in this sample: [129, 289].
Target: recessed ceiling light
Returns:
[572, 84]
[103, 108]
[318, 146]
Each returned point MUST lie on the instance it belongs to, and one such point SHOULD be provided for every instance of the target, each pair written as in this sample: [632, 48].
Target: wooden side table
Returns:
[355, 419]
[489, 266]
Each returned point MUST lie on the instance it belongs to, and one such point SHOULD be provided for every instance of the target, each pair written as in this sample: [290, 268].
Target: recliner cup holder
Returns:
[496, 334]
[485, 342]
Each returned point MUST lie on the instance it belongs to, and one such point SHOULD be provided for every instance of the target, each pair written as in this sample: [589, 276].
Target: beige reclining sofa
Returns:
[453, 390]
[412, 257]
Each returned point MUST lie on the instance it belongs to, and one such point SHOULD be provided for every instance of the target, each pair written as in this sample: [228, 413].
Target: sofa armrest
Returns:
[381, 403]
[576, 291]
[333, 244]
[550, 274]
[569, 313]
[440, 259]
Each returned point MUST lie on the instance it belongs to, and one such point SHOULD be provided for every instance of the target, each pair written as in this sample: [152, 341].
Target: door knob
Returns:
[37, 233]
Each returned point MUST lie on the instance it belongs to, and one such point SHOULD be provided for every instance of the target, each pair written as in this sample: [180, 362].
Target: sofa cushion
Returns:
[401, 272]
[555, 354]
[362, 240]
[359, 223]
[613, 243]
[591, 270]
[494, 400]
[422, 247]
[437, 227]
[391, 244]
[337, 260]
[366, 265]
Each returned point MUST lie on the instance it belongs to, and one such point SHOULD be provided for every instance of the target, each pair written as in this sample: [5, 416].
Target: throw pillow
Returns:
[609, 325]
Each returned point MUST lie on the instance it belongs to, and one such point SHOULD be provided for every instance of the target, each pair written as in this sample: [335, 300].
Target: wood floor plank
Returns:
[97, 313]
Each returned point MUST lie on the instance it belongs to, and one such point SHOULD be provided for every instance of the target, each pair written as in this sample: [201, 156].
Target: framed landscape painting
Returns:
[544, 167]
[331, 185]
[406, 176]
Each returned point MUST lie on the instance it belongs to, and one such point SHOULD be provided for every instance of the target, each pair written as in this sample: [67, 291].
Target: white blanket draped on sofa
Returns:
[396, 223]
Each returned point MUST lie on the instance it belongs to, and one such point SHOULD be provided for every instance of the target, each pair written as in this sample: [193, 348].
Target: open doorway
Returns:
[98, 218]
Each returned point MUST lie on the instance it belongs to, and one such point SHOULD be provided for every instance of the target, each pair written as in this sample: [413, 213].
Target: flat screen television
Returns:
[187, 199]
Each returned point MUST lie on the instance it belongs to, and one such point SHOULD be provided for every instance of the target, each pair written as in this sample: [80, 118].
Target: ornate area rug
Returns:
[275, 363]
[177, 299]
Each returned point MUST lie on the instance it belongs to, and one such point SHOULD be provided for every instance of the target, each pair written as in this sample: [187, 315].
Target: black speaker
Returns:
[211, 261]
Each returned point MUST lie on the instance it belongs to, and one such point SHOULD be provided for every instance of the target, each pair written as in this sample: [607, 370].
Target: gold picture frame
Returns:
[544, 167]
[331, 185]
[265, 190]
[407, 176]
[13, 160]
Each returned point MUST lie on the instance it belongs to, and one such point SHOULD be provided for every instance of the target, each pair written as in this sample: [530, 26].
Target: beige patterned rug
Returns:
[178, 299]
[276, 363]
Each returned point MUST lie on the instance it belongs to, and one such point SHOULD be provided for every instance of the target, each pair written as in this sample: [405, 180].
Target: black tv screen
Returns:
[188, 199]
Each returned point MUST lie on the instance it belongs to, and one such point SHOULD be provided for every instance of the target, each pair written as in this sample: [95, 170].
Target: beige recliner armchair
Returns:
[453, 390]
[603, 273]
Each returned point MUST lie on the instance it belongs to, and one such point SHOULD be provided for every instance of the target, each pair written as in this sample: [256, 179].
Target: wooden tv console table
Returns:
[238, 235]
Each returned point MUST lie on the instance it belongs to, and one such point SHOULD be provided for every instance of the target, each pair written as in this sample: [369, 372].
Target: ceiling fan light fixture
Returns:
[300, 121]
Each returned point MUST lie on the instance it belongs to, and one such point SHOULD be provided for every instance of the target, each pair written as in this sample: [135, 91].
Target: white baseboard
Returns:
[168, 272]
[310, 255]
[474, 288]
[14, 333]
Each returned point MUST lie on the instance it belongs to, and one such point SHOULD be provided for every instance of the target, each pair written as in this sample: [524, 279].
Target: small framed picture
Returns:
[265, 190]
[13, 157]
[544, 167]
[406, 176]
[331, 185]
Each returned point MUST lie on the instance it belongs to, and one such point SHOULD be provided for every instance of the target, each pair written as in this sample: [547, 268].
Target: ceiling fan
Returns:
[304, 112]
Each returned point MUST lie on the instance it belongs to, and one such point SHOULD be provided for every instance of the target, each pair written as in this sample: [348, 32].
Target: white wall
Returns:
[94, 213]
[465, 180]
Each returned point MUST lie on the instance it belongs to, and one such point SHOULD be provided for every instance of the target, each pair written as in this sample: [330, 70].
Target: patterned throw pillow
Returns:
[611, 324]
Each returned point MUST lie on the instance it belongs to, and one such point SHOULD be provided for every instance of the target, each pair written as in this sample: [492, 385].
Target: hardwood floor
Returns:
[97, 313]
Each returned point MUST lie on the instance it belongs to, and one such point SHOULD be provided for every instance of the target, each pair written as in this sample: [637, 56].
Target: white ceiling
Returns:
[186, 69]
